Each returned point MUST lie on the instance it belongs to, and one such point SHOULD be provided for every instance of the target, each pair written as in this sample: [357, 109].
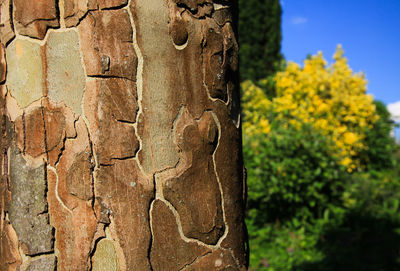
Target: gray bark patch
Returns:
[28, 207]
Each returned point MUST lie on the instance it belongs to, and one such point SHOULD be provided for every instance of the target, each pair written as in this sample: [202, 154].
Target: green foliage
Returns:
[374, 192]
[367, 236]
[381, 146]
[291, 173]
[259, 38]
[331, 98]
[281, 247]
[306, 210]
[363, 233]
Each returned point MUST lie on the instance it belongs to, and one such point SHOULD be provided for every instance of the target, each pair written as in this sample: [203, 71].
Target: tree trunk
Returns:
[121, 146]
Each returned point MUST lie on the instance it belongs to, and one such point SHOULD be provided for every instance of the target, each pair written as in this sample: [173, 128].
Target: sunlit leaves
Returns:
[331, 98]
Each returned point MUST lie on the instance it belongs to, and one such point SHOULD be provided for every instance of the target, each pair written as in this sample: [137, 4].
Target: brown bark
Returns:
[120, 145]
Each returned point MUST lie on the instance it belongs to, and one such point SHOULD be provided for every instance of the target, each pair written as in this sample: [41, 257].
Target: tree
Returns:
[121, 145]
[259, 38]
[303, 149]
[379, 155]
[331, 98]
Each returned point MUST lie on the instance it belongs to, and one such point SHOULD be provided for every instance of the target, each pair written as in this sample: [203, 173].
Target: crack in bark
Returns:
[195, 260]
[151, 229]
[94, 246]
[37, 255]
[59, 12]
[41, 19]
[45, 133]
[28, 259]
[194, 11]
[24, 131]
[123, 158]
[11, 10]
[92, 167]
[116, 7]
[125, 121]
[65, 138]
[104, 76]
[80, 19]
[117, 159]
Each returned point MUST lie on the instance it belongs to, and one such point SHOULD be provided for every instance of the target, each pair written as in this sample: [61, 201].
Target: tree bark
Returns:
[121, 146]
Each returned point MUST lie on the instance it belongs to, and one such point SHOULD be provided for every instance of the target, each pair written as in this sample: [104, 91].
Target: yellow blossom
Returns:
[331, 98]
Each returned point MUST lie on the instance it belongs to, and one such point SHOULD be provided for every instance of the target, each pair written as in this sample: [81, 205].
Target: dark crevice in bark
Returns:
[8, 42]
[41, 254]
[116, 7]
[43, 19]
[81, 18]
[45, 174]
[56, 263]
[5, 122]
[4, 173]
[4, 83]
[150, 243]
[169, 168]
[126, 121]
[93, 199]
[92, 165]
[194, 11]
[24, 131]
[150, 222]
[45, 134]
[58, 13]
[96, 242]
[105, 165]
[123, 158]
[46, 190]
[11, 8]
[223, 3]
[104, 76]
[61, 151]
[53, 229]
[185, 7]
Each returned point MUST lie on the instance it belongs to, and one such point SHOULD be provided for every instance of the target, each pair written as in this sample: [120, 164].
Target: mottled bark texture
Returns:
[121, 143]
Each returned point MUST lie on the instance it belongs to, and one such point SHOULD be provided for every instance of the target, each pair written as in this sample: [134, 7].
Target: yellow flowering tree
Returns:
[331, 98]
[305, 136]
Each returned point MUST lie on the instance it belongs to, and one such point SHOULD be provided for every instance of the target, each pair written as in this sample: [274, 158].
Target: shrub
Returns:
[292, 172]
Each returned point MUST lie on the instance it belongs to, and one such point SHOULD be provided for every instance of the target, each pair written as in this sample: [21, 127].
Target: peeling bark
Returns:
[33, 18]
[121, 142]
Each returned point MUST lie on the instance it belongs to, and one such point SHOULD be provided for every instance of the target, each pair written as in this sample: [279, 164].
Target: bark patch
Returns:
[28, 207]
[110, 37]
[33, 18]
[169, 251]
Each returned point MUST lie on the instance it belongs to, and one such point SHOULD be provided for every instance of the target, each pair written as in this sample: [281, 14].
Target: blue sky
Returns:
[369, 31]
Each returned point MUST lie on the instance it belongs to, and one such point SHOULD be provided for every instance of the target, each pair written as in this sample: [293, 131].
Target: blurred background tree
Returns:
[259, 38]
[323, 177]
[381, 147]
[332, 99]
[323, 168]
